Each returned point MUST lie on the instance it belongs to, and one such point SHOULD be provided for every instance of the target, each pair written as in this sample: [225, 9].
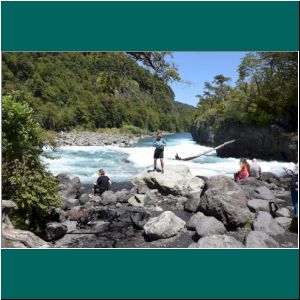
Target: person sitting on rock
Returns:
[243, 172]
[177, 157]
[159, 143]
[255, 169]
[103, 184]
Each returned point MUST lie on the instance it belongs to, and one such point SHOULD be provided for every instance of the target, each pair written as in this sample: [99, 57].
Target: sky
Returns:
[198, 67]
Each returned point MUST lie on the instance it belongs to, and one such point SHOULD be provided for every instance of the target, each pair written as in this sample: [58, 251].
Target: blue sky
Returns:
[198, 67]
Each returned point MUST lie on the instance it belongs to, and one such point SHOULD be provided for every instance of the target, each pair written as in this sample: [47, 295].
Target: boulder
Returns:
[284, 222]
[152, 196]
[76, 212]
[229, 208]
[69, 186]
[217, 241]
[283, 195]
[108, 198]
[58, 215]
[166, 225]
[258, 205]
[16, 238]
[283, 212]
[55, 231]
[192, 202]
[138, 200]
[84, 198]
[70, 203]
[176, 180]
[268, 176]
[122, 195]
[262, 192]
[258, 239]
[139, 218]
[209, 226]
[194, 220]
[265, 223]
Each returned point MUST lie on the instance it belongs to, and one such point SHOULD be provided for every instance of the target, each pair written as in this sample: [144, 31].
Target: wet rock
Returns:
[265, 223]
[209, 226]
[258, 239]
[55, 231]
[217, 241]
[166, 225]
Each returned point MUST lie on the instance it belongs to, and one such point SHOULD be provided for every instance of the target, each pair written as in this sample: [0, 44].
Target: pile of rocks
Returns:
[96, 139]
[175, 209]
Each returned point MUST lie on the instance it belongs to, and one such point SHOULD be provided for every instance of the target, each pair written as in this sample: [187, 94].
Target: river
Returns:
[121, 164]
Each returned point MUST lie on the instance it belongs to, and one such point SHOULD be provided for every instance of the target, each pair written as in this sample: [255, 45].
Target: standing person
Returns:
[255, 169]
[243, 172]
[103, 183]
[159, 143]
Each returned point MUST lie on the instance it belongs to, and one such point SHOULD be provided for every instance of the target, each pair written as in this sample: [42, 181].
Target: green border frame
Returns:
[162, 273]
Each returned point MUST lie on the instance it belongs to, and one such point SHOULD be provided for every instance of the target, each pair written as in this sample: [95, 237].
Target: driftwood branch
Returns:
[207, 151]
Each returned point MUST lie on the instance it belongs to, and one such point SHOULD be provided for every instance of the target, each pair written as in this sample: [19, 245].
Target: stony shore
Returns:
[97, 139]
[170, 210]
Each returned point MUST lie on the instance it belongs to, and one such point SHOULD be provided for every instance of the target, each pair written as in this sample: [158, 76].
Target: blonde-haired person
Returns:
[103, 183]
[159, 143]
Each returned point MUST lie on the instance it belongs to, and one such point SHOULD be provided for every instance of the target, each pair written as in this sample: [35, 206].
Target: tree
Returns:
[25, 179]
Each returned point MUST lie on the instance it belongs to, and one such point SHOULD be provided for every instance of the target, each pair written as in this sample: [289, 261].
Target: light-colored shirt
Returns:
[255, 170]
[159, 144]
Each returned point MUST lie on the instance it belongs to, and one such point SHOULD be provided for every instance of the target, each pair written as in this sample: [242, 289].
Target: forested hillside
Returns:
[266, 92]
[96, 90]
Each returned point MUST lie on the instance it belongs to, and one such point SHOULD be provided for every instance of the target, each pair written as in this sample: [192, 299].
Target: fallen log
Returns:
[206, 151]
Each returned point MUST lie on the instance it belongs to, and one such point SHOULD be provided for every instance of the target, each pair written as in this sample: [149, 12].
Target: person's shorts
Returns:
[159, 153]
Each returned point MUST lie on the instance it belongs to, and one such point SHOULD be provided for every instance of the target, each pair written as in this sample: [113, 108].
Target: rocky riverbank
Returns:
[97, 139]
[263, 142]
[170, 210]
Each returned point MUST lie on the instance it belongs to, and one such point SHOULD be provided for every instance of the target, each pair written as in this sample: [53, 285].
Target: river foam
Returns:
[121, 164]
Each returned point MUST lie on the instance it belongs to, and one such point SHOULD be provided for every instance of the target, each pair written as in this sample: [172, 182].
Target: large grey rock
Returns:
[166, 225]
[258, 239]
[71, 202]
[194, 220]
[284, 222]
[55, 231]
[262, 192]
[109, 198]
[84, 198]
[192, 202]
[283, 212]
[122, 195]
[227, 202]
[265, 223]
[258, 205]
[76, 212]
[175, 180]
[209, 226]
[217, 241]
[69, 186]
[139, 218]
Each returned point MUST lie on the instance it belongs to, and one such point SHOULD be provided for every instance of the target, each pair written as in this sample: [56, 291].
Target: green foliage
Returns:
[130, 129]
[266, 92]
[97, 90]
[24, 179]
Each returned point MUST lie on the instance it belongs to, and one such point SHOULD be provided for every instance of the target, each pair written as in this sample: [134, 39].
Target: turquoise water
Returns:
[122, 164]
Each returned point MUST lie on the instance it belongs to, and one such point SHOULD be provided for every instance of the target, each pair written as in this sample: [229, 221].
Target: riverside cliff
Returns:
[264, 142]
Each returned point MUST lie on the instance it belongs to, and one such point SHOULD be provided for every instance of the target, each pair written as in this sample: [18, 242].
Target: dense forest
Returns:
[265, 93]
[96, 90]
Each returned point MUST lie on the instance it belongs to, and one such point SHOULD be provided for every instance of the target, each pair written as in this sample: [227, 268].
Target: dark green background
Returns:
[198, 26]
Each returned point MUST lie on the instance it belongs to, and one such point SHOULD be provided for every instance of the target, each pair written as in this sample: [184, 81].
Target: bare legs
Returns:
[162, 164]
[155, 163]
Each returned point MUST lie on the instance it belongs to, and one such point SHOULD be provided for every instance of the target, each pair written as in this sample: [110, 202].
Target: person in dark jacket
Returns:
[159, 143]
[103, 184]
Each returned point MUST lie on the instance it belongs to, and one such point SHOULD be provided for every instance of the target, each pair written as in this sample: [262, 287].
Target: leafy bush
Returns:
[130, 129]
[24, 179]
